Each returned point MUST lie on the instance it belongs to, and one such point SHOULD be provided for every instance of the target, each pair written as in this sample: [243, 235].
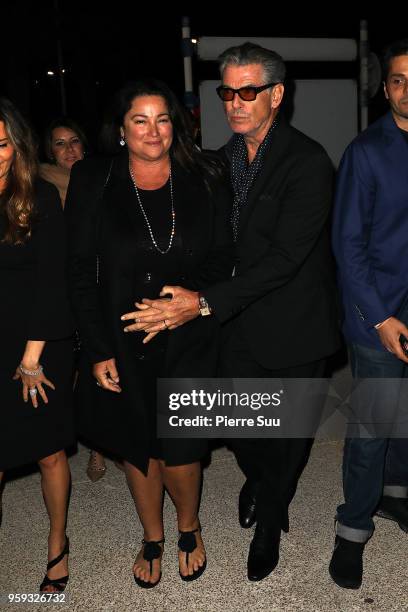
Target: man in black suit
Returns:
[278, 310]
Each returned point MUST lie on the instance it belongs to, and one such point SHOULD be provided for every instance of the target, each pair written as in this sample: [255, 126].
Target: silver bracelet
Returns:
[36, 372]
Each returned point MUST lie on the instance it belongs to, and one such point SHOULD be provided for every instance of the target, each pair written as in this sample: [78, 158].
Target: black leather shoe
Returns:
[264, 552]
[346, 565]
[247, 504]
[395, 509]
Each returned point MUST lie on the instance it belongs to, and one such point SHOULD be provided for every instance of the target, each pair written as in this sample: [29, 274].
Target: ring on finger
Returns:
[33, 391]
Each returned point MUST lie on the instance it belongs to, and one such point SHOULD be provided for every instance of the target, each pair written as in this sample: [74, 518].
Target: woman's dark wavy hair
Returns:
[65, 122]
[183, 148]
[18, 196]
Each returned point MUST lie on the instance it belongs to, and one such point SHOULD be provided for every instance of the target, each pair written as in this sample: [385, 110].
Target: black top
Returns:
[159, 269]
[163, 267]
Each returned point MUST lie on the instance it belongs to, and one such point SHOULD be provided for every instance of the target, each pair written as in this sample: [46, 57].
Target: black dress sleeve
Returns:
[49, 316]
[84, 194]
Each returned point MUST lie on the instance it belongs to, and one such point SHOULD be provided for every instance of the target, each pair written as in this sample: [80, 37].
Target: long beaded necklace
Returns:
[173, 214]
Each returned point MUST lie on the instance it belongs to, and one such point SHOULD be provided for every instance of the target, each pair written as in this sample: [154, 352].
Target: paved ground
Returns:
[105, 537]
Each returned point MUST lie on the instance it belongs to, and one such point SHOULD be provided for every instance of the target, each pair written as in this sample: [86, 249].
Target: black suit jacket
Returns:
[283, 290]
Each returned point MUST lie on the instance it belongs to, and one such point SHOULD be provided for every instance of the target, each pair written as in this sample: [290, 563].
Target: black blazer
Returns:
[284, 290]
[207, 246]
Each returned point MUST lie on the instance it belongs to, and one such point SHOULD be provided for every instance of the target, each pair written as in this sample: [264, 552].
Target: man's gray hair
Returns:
[249, 53]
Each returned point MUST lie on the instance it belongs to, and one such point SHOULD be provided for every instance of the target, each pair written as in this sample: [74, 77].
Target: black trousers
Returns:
[274, 465]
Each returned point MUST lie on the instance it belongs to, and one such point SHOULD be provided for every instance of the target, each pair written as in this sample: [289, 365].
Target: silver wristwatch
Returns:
[203, 306]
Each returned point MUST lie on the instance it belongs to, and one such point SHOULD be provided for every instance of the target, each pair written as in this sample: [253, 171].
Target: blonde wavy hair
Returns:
[17, 199]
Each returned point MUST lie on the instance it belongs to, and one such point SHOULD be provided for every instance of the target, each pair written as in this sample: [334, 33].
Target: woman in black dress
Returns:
[65, 143]
[156, 213]
[35, 329]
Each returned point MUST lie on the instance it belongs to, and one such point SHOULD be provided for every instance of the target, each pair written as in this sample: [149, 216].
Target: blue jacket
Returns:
[370, 229]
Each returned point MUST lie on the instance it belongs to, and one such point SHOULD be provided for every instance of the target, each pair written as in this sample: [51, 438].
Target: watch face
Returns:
[205, 311]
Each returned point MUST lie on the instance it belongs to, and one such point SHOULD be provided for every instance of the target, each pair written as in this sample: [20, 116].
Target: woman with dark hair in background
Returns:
[35, 331]
[64, 144]
[156, 213]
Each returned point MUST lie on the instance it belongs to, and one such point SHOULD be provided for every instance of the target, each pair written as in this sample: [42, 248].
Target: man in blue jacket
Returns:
[370, 239]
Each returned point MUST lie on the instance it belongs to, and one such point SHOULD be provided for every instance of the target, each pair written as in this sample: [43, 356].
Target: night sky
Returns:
[103, 47]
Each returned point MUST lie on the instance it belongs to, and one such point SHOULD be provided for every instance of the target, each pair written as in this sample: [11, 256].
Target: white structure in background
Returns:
[324, 109]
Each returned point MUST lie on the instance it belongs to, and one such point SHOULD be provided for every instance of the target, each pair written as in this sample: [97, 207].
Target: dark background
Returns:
[103, 46]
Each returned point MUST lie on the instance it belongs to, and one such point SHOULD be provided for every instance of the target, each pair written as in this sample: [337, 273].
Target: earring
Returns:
[122, 141]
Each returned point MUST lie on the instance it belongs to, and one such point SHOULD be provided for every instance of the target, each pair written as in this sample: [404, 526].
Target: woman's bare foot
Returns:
[141, 568]
[196, 558]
